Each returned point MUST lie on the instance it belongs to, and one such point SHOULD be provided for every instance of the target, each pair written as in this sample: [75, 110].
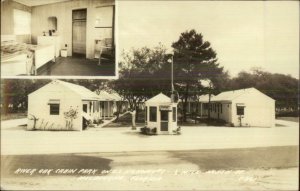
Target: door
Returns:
[84, 108]
[164, 118]
[79, 32]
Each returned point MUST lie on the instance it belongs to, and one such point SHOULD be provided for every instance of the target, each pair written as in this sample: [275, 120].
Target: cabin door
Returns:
[79, 32]
[164, 118]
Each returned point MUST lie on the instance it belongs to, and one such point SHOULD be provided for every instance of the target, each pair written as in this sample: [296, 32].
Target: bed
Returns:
[23, 59]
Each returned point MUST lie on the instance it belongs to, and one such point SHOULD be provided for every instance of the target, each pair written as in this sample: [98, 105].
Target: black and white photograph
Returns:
[58, 38]
[205, 95]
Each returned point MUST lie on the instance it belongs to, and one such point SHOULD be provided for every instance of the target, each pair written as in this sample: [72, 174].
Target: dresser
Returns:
[50, 40]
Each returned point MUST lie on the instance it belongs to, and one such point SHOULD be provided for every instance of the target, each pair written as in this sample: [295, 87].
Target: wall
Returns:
[259, 112]
[7, 22]
[38, 101]
[226, 111]
[63, 12]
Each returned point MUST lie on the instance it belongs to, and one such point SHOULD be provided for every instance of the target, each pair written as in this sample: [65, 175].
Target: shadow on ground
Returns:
[242, 159]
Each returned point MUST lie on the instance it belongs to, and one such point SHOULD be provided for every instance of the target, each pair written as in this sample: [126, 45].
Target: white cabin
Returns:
[61, 105]
[244, 107]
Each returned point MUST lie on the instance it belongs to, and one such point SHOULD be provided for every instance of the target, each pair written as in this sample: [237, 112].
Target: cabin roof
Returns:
[231, 95]
[160, 98]
[82, 91]
[105, 96]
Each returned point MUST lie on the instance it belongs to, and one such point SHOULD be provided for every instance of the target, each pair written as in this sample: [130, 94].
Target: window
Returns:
[54, 109]
[22, 22]
[240, 110]
[90, 104]
[164, 115]
[174, 114]
[153, 114]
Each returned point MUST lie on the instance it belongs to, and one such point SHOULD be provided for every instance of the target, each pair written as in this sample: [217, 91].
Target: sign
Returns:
[165, 108]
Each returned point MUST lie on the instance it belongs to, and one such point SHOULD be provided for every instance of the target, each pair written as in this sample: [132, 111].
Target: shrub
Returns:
[153, 130]
[148, 131]
[100, 121]
[177, 131]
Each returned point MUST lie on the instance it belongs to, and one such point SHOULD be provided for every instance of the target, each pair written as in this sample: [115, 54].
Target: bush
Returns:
[287, 114]
[144, 130]
[153, 130]
[177, 131]
[100, 121]
[148, 131]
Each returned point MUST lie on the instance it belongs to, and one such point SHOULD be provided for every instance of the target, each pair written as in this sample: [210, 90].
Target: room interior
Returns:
[80, 34]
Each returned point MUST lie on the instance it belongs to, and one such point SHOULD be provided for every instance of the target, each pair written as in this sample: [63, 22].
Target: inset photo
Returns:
[58, 38]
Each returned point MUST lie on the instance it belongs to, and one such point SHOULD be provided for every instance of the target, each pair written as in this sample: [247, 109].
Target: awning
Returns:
[53, 101]
[240, 105]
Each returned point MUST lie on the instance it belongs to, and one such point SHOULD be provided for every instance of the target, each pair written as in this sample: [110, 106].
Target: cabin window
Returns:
[174, 114]
[146, 114]
[153, 114]
[240, 110]
[91, 104]
[54, 109]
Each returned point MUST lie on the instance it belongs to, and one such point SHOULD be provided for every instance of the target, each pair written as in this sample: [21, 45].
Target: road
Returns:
[232, 169]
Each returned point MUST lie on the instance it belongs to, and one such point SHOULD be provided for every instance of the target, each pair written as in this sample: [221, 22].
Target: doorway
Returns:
[79, 32]
[84, 108]
[164, 118]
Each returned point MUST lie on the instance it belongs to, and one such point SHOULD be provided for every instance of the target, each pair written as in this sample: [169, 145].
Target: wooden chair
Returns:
[103, 46]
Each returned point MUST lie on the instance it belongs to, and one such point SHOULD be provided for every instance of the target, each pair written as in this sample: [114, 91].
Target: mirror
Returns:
[52, 23]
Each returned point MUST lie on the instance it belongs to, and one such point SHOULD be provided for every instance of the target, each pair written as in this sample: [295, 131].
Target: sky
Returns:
[244, 34]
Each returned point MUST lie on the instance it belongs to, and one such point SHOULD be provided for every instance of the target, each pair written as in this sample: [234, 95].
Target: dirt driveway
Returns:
[16, 140]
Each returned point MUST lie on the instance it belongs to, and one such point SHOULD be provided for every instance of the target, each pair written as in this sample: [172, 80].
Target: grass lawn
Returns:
[293, 119]
[9, 116]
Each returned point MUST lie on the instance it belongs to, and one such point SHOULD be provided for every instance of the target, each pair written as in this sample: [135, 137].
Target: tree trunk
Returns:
[137, 111]
[208, 114]
[186, 95]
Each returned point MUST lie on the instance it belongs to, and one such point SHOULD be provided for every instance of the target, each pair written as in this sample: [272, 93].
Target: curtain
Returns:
[22, 22]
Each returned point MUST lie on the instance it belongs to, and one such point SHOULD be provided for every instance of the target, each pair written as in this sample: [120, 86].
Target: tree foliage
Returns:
[194, 60]
[142, 75]
[14, 93]
[282, 88]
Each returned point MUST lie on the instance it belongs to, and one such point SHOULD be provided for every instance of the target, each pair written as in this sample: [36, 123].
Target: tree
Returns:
[194, 60]
[14, 92]
[282, 88]
[142, 75]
